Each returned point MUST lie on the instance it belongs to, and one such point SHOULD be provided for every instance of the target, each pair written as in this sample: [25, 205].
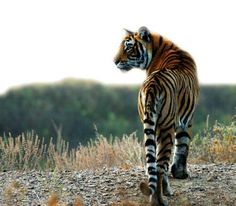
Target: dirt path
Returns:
[212, 184]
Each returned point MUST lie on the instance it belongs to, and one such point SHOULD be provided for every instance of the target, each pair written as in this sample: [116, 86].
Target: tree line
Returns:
[79, 109]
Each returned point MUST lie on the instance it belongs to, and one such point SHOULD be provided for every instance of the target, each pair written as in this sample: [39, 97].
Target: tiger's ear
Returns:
[128, 32]
[144, 33]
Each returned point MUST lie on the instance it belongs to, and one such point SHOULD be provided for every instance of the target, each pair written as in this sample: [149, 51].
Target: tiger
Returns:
[166, 103]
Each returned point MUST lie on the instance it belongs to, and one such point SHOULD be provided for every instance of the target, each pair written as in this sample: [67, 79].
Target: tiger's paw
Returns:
[179, 171]
[179, 167]
[156, 200]
[167, 191]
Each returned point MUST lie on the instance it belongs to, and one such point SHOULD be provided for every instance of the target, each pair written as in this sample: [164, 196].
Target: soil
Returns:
[208, 184]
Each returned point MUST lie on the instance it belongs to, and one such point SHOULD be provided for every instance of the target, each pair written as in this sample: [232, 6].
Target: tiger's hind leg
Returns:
[179, 165]
[164, 148]
[167, 191]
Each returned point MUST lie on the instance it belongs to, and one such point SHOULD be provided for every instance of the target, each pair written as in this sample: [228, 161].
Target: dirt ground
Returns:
[208, 185]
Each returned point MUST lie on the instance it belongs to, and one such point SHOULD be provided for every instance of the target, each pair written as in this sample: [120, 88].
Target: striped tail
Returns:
[150, 151]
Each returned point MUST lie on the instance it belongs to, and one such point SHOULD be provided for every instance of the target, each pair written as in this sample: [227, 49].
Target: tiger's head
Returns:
[135, 50]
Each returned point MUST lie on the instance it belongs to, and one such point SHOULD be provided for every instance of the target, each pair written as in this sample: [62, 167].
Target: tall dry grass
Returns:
[216, 144]
[28, 151]
[102, 152]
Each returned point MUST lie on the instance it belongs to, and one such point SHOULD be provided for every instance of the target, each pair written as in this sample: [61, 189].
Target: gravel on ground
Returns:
[208, 184]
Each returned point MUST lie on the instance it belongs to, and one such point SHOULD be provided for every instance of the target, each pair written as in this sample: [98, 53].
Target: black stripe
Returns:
[151, 169]
[166, 129]
[152, 172]
[168, 117]
[148, 121]
[169, 82]
[162, 49]
[151, 179]
[150, 142]
[186, 108]
[157, 81]
[162, 166]
[189, 112]
[182, 101]
[141, 53]
[150, 93]
[163, 138]
[161, 108]
[170, 108]
[149, 131]
[181, 145]
[172, 76]
[150, 158]
[182, 134]
[153, 187]
[160, 41]
[164, 158]
[182, 87]
[171, 59]
[171, 122]
[150, 150]
[171, 46]
[164, 147]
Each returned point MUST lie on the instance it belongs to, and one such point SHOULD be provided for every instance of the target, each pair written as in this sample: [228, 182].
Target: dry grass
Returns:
[28, 151]
[54, 201]
[24, 152]
[217, 144]
[124, 152]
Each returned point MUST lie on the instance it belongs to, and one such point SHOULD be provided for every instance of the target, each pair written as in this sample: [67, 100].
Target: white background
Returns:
[45, 41]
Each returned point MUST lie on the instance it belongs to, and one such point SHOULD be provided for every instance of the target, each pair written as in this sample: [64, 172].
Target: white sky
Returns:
[44, 41]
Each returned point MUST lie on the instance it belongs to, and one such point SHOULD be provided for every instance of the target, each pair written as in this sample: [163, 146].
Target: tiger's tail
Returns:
[150, 119]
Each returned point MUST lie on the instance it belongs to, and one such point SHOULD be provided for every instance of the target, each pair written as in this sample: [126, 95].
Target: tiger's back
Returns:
[175, 80]
[166, 104]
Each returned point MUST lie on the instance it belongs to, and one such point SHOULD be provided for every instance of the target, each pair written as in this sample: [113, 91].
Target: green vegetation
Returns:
[73, 106]
[217, 103]
[76, 108]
